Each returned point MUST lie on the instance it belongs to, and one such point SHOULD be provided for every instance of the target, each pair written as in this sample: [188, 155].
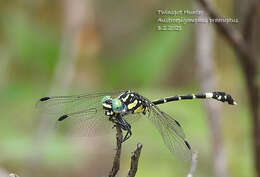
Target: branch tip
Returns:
[134, 160]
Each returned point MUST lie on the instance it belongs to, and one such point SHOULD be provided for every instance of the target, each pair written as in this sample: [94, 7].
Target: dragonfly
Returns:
[122, 108]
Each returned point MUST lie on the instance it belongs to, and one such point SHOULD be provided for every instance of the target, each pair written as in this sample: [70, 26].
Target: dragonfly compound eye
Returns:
[105, 99]
[117, 105]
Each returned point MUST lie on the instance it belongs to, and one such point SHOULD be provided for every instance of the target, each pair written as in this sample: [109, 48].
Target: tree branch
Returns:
[116, 163]
[242, 44]
[249, 21]
[134, 161]
[233, 36]
[207, 74]
[134, 157]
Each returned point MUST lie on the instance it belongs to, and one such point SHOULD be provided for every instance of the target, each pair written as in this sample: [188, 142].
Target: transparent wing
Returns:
[81, 115]
[132, 118]
[89, 122]
[172, 133]
[67, 104]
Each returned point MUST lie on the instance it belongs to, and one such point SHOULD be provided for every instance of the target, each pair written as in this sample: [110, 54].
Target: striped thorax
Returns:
[127, 103]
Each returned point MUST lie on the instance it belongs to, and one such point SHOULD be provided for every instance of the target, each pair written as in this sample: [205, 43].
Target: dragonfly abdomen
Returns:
[219, 96]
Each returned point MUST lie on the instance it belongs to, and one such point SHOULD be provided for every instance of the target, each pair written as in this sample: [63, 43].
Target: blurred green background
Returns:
[71, 47]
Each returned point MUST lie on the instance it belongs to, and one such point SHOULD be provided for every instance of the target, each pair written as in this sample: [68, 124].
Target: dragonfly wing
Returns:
[89, 122]
[172, 133]
[60, 105]
[132, 118]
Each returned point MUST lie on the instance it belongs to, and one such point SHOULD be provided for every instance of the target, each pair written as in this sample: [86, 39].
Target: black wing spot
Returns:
[44, 98]
[187, 144]
[177, 123]
[63, 117]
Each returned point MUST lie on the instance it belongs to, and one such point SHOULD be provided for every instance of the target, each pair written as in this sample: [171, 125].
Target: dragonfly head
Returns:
[112, 105]
[106, 99]
[117, 105]
[107, 102]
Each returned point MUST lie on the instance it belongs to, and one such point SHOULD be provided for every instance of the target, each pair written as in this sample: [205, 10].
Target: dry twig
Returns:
[134, 161]
[116, 163]
[134, 158]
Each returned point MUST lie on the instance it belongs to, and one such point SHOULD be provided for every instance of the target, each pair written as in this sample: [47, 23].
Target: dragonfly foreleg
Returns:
[128, 135]
[124, 125]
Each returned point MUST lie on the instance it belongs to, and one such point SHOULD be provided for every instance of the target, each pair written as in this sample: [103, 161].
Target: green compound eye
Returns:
[104, 99]
[117, 105]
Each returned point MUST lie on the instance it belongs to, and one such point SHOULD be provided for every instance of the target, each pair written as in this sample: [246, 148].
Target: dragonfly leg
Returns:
[125, 126]
[128, 135]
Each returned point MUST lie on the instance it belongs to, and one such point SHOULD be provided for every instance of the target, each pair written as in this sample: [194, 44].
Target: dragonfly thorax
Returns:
[127, 103]
[134, 102]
